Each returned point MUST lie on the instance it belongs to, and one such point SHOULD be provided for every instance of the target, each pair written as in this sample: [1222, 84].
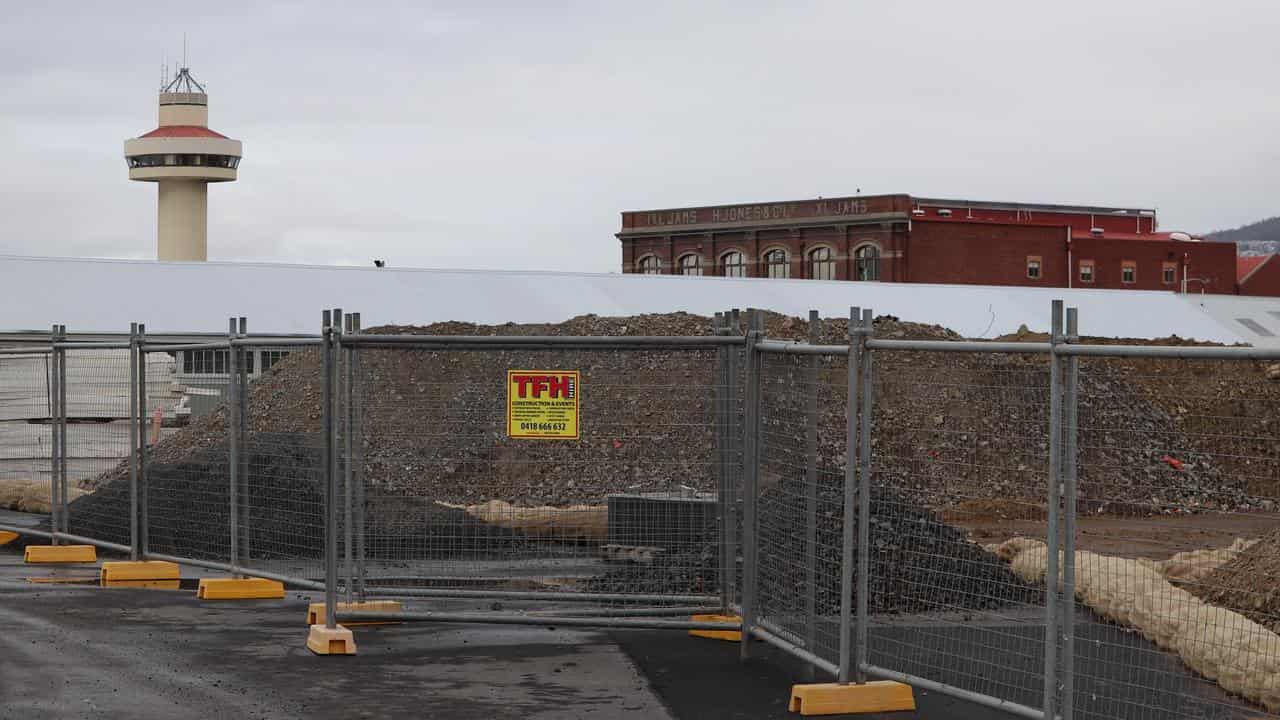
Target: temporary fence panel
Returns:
[97, 386]
[278, 489]
[960, 446]
[800, 497]
[518, 471]
[26, 429]
[1177, 463]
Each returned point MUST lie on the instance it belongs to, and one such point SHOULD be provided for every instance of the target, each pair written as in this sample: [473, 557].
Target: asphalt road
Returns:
[78, 651]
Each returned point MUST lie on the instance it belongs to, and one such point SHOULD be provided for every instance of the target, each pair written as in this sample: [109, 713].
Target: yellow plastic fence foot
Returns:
[730, 635]
[7, 537]
[338, 641]
[239, 589]
[126, 574]
[316, 615]
[60, 554]
[837, 699]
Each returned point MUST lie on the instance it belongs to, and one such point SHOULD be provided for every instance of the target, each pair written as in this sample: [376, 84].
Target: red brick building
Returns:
[899, 238]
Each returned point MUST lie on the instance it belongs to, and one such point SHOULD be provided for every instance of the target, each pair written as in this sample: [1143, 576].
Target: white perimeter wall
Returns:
[106, 295]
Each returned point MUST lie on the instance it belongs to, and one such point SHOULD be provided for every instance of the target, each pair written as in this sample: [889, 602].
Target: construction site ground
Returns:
[1154, 537]
[71, 649]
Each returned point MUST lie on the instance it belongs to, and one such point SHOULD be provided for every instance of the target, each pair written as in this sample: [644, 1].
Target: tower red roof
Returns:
[183, 131]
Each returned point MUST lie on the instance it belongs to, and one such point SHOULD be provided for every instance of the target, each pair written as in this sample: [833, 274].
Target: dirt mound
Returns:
[949, 428]
[1247, 584]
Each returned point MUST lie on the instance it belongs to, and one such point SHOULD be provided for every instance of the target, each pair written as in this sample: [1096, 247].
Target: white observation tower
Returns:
[182, 156]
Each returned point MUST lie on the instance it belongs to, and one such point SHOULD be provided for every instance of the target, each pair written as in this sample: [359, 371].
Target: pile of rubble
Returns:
[950, 428]
[1248, 584]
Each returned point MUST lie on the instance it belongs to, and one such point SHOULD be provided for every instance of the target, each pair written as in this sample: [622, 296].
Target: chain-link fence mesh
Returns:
[187, 473]
[958, 441]
[97, 424]
[800, 499]
[628, 508]
[1178, 465]
[281, 454]
[26, 430]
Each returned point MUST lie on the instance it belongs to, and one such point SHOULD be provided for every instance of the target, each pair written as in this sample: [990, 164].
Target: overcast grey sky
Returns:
[511, 134]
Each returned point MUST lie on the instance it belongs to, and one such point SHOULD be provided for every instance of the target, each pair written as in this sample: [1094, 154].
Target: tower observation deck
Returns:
[182, 156]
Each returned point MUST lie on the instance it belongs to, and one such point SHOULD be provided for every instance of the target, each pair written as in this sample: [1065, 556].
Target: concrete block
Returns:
[60, 554]
[316, 614]
[338, 641]
[115, 572]
[837, 699]
[239, 589]
[730, 635]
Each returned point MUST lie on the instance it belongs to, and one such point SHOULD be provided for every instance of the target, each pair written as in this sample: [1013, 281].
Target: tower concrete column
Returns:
[182, 222]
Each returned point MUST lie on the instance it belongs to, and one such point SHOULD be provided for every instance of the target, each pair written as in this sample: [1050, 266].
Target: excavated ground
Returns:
[955, 435]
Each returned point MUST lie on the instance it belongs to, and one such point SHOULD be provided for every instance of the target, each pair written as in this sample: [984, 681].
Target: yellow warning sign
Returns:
[543, 404]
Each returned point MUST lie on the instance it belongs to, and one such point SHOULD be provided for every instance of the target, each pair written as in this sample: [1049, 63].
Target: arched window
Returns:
[690, 264]
[776, 264]
[866, 262]
[650, 265]
[733, 264]
[822, 265]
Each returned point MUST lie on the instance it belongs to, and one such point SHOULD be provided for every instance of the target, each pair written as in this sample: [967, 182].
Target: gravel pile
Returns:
[949, 428]
[1249, 584]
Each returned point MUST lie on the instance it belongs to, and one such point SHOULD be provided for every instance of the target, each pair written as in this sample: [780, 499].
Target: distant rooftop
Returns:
[1033, 207]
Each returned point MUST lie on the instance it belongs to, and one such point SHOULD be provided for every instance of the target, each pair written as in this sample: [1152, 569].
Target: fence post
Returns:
[134, 432]
[233, 443]
[849, 487]
[1051, 575]
[347, 491]
[55, 456]
[357, 460]
[330, 474]
[865, 398]
[751, 472]
[63, 509]
[141, 411]
[1071, 409]
[242, 425]
[719, 327]
[811, 499]
[733, 450]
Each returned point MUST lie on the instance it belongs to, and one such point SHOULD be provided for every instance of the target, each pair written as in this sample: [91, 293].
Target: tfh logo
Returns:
[553, 386]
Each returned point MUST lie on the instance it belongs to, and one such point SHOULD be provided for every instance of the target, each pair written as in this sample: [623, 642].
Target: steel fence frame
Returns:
[738, 375]
[345, 407]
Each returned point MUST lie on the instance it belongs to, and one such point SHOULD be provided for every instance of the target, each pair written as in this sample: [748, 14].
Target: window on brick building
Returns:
[690, 264]
[1169, 273]
[866, 262]
[1086, 271]
[650, 265]
[777, 264]
[733, 264]
[1033, 267]
[1128, 272]
[822, 265]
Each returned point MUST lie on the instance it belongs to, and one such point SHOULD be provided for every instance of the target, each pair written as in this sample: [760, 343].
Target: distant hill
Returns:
[1256, 238]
